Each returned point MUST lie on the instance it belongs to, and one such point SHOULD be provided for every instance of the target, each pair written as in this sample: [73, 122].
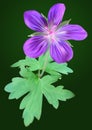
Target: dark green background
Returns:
[71, 115]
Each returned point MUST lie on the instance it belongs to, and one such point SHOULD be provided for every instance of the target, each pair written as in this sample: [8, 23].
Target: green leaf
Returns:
[63, 94]
[49, 93]
[27, 62]
[32, 104]
[49, 79]
[32, 86]
[20, 86]
[26, 73]
[52, 68]
[58, 68]
[54, 94]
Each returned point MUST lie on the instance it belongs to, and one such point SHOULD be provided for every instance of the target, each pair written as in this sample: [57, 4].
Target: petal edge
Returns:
[61, 52]
[35, 46]
[55, 14]
[34, 20]
[72, 32]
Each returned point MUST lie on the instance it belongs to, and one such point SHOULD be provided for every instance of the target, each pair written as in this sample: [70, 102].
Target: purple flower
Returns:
[50, 35]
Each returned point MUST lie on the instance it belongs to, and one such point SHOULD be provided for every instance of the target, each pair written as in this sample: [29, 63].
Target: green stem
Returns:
[44, 66]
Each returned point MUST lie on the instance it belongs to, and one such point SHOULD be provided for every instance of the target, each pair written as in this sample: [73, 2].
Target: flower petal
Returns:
[72, 32]
[61, 52]
[34, 20]
[56, 13]
[35, 46]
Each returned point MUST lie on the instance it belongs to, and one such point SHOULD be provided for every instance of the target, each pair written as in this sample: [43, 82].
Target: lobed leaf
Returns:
[34, 87]
[54, 94]
[58, 68]
[32, 63]
[63, 94]
[18, 87]
[33, 105]
[52, 68]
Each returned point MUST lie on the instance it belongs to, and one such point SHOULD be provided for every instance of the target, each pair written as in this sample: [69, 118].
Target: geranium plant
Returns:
[47, 53]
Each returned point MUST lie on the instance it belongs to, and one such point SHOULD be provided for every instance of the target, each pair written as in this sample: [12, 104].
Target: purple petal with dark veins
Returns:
[35, 46]
[34, 20]
[56, 13]
[72, 32]
[61, 52]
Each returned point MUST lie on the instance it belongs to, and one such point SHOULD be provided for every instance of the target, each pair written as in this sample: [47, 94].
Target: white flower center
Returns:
[50, 34]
